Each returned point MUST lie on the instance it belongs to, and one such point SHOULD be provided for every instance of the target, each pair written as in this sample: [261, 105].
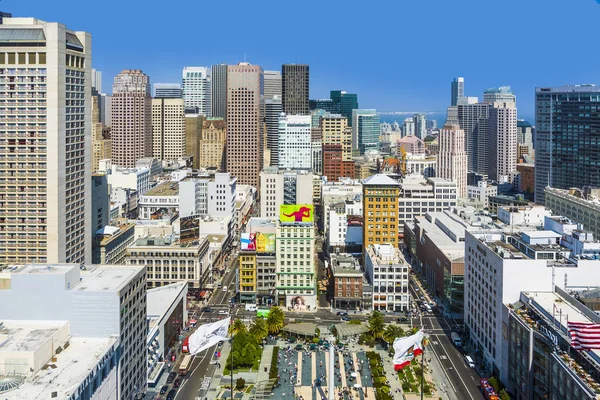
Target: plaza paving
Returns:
[304, 374]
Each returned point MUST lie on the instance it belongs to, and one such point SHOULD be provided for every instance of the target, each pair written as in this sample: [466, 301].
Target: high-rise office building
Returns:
[457, 90]
[567, 152]
[168, 129]
[502, 142]
[294, 142]
[365, 131]
[245, 122]
[97, 80]
[131, 113]
[212, 144]
[335, 131]
[420, 125]
[193, 134]
[346, 102]
[196, 85]
[473, 119]
[294, 89]
[45, 160]
[524, 138]
[380, 210]
[168, 91]
[272, 84]
[273, 108]
[101, 145]
[219, 91]
[452, 158]
[327, 105]
[500, 94]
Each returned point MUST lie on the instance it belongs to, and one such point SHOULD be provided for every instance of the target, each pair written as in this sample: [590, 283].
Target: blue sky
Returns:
[397, 55]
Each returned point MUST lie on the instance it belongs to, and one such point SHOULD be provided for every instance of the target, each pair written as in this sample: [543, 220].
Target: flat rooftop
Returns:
[164, 189]
[159, 299]
[26, 336]
[104, 278]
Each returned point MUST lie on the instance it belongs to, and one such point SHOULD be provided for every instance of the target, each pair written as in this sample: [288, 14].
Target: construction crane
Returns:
[403, 161]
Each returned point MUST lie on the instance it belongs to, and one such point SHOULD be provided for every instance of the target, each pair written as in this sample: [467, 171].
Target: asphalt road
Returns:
[201, 370]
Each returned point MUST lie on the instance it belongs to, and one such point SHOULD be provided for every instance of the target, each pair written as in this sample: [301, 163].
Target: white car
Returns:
[225, 289]
[223, 312]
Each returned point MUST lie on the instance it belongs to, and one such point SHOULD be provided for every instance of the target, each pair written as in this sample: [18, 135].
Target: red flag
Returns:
[584, 335]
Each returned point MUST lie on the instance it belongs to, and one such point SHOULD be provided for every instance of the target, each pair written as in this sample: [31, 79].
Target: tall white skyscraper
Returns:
[46, 153]
[502, 141]
[273, 108]
[294, 144]
[97, 80]
[168, 129]
[272, 84]
[500, 94]
[452, 158]
[197, 90]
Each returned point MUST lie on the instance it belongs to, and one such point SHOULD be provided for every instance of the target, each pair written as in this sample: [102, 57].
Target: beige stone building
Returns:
[335, 130]
[131, 114]
[101, 145]
[168, 129]
[212, 143]
[193, 134]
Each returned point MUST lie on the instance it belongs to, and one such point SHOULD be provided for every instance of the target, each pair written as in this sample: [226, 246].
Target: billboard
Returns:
[262, 313]
[189, 228]
[248, 241]
[296, 213]
[265, 242]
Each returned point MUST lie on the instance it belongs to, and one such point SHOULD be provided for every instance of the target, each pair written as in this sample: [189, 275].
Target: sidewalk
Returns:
[391, 375]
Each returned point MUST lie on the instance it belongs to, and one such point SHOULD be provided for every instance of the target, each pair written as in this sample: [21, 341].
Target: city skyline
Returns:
[418, 86]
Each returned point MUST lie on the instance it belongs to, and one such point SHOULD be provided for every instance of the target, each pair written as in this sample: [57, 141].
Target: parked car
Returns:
[346, 318]
[164, 389]
[177, 383]
[223, 312]
[342, 313]
[172, 394]
[171, 377]
[225, 289]
[403, 319]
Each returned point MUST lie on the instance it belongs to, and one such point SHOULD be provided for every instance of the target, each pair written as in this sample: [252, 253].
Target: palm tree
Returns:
[275, 320]
[237, 327]
[376, 324]
[392, 332]
[258, 329]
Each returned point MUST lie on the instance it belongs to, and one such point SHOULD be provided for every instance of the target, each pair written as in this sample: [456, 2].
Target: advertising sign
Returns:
[265, 243]
[296, 213]
[262, 313]
[189, 228]
[248, 241]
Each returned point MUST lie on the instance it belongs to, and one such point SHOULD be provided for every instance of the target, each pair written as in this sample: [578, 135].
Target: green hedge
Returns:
[274, 371]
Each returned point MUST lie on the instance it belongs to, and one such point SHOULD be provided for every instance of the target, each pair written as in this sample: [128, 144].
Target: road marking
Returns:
[443, 357]
[444, 369]
[459, 375]
[435, 342]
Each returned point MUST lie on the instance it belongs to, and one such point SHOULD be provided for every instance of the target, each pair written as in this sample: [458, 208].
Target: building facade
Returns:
[283, 187]
[387, 270]
[168, 129]
[566, 150]
[502, 142]
[101, 145]
[193, 137]
[335, 131]
[196, 90]
[294, 142]
[581, 205]
[219, 91]
[419, 195]
[380, 210]
[457, 90]
[365, 131]
[347, 282]
[452, 158]
[295, 88]
[131, 114]
[272, 85]
[45, 171]
[168, 91]
[213, 144]
[344, 103]
[273, 109]
[245, 127]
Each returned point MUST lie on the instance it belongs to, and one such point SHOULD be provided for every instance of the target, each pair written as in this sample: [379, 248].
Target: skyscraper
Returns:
[168, 91]
[294, 146]
[97, 80]
[500, 94]
[365, 131]
[335, 131]
[168, 129]
[245, 122]
[46, 157]
[346, 102]
[101, 146]
[567, 150]
[473, 119]
[380, 199]
[212, 144]
[219, 91]
[524, 138]
[294, 89]
[452, 158]
[273, 108]
[193, 135]
[420, 125]
[131, 112]
[457, 90]
[272, 84]
[197, 90]
[502, 141]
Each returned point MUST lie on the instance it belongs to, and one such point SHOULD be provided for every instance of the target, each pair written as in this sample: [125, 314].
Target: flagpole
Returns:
[422, 365]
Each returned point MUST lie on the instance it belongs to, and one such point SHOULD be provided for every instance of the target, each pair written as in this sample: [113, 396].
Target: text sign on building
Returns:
[296, 213]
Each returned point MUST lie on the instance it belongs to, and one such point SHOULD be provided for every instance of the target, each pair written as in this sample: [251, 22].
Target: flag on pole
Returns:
[208, 335]
[406, 348]
[584, 335]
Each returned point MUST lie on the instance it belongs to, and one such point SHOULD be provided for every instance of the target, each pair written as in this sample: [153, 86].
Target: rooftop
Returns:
[380, 180]
[26, 336]
[108, 233]
[171, 241]
[164, 189]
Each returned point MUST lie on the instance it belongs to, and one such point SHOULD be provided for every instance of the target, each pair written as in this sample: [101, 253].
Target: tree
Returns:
[237, 327]
[376, 324]
[392, 332]
[275, 320]
[494, 383]
[503, 395]
[240, 383]
[258, 329]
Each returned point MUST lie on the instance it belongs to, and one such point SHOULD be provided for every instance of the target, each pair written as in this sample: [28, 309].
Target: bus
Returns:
[456, 339]
[185, 365]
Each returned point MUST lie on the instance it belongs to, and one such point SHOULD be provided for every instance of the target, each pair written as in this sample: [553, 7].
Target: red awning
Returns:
[203, 293]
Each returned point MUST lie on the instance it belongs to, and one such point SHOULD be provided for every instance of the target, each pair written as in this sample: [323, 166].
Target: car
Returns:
[416, 288]
[177, 383]
[171, 377]
[164, 389]
[225, 289]
[223, 312]
[342, 313]
[207, 309]
[172, 394]
[346, 318]
[402, 319]
[422, 298]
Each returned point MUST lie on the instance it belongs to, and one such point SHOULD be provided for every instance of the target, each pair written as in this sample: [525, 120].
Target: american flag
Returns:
[584, 335]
